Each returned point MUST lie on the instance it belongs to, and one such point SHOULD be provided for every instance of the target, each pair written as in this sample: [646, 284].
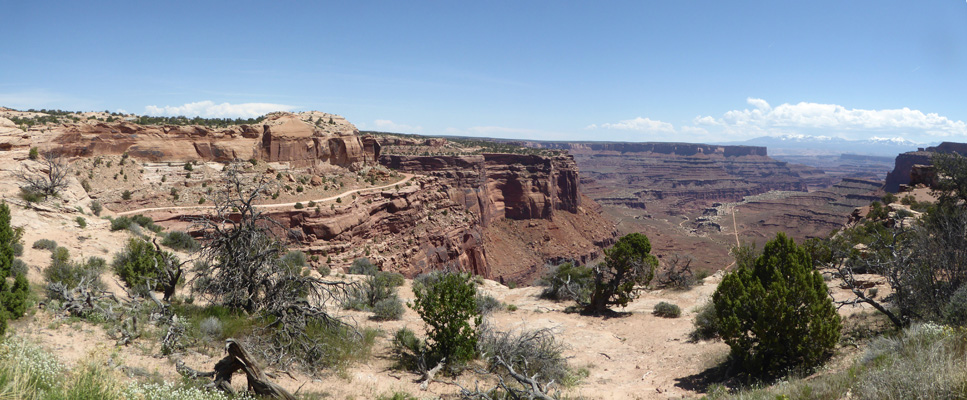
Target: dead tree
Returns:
[923, 264]
[50, 180]
[169, 271]
[678, 275]
[526, 387]
[238, 359]
[242, 270]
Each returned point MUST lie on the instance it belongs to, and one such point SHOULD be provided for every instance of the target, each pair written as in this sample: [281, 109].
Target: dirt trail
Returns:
[406, 178]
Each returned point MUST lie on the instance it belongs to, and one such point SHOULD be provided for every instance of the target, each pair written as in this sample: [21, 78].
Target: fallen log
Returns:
[238, 359]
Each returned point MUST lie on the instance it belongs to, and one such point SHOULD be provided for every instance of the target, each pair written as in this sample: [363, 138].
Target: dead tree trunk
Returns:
[239, 359]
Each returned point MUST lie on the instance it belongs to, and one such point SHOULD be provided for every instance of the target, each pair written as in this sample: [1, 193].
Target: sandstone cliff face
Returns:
[281, 137]
[497, 215]
[905, 163]
[900, 175]
[502, 185]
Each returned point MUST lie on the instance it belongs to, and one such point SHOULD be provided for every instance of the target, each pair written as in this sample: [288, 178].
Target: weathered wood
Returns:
[239, 359]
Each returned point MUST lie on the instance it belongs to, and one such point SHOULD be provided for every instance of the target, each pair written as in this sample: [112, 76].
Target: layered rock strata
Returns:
[682, 175]
[281, 137]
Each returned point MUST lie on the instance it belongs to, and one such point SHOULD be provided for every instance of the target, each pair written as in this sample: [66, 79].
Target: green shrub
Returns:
[487, 304]
[140, 263]
[146, 222]
[388, 309]
[81, 222]
[32, 196]
[18, 249]
[299, 206]
[776, 314]
[201, 200]
[409, 350]
[706, 324]
[180, 240]
[71, 274]
[393, 279]
[189, 167]
[447, 303]
[126, 195]
[323, 270]
[567, 282]
[120, 223]
[86, 185]
[45, 244]
[294, 259]
[211, 327]
[362, 266]
[667, 310]
[33, 154]
[13, 299]
[18, 267]
[372, 291]
[96, 208]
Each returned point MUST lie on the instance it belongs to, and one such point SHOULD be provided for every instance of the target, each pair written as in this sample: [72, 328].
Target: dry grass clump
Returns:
[925, 361]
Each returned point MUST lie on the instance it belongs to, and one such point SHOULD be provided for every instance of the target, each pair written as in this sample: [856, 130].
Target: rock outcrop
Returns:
[281, 137]
[11, 136]
[527, 208]
[905, 163]
[502, 185]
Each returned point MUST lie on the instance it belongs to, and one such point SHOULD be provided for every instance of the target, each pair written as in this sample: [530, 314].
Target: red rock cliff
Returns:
[281, 137]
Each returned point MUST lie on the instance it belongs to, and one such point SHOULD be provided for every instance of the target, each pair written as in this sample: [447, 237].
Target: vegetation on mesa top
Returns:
[61, 116]
[456, 146]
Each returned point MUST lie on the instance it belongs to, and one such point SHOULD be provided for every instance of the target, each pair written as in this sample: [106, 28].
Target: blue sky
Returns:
[555, 70]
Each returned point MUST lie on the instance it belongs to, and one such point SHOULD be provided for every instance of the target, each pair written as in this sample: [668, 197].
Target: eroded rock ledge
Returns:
[281, 137]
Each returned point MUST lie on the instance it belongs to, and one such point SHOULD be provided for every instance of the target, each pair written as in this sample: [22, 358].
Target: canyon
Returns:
[501, 216]
[699, 200]
[502, 209]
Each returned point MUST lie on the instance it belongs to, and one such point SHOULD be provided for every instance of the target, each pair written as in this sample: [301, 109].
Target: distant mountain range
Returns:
[806, 145]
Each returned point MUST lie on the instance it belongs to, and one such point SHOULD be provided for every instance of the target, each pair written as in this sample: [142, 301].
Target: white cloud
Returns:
[387, 125]
[764, 119]
[208, 109]
[638, 124]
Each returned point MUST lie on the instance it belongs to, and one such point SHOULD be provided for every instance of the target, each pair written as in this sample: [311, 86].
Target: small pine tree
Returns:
[775, 313]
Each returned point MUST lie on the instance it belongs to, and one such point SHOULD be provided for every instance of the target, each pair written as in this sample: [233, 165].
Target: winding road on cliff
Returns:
[406, 178]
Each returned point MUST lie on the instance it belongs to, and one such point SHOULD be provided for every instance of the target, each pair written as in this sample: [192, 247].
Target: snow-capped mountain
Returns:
[820, 145]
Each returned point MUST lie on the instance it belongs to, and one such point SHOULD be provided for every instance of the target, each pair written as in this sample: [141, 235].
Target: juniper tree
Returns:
[775, 312]
[627, 264]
